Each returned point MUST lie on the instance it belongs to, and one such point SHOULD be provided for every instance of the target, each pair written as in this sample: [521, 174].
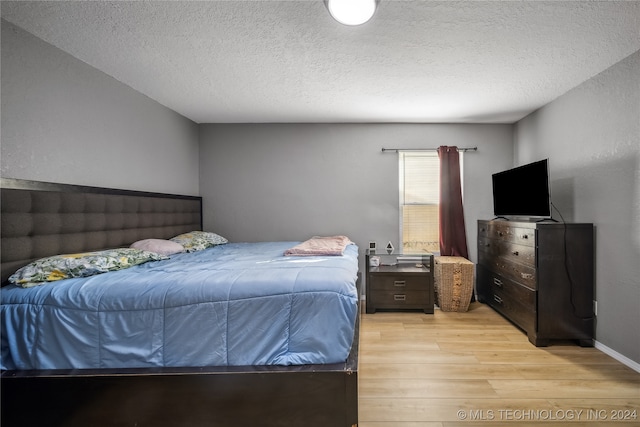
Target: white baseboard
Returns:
[619, 357]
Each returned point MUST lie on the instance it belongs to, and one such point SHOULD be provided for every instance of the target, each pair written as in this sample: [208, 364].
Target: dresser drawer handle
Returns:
[497, 282]
[525, 236]
[399, 297]
[497, 299]
[516, 253]
[399, 283]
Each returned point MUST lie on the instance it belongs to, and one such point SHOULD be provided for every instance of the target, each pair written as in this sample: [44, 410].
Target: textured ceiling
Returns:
[289, 61]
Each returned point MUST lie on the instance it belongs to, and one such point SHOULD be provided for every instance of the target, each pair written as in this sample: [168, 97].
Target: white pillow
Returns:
[159, 246]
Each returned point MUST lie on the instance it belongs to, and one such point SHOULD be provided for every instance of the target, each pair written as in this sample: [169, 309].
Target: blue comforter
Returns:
[234, 304]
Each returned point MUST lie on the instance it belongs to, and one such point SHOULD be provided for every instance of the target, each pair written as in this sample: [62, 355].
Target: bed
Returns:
[270, 364]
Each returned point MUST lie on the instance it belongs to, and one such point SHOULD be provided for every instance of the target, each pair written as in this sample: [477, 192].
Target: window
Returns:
[419, 200]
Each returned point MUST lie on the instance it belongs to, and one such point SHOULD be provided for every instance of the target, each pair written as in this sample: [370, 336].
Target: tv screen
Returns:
[523, 191]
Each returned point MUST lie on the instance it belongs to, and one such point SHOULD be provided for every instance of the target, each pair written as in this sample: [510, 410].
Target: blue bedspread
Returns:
[234, 304]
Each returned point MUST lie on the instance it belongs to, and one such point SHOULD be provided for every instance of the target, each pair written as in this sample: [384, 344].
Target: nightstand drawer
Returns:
[399, 299]
[401, 283]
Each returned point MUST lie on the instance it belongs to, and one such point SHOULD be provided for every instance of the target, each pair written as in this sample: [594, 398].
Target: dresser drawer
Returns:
[511, 290]
[523, 274]
[400, 299]
[510, 252]
[399, 283]
[516, 302]
[507, 232]
[521, 315]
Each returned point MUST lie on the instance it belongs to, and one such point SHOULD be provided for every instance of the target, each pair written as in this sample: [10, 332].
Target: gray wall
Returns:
[592, 137]
[64, 121]
[292, 181]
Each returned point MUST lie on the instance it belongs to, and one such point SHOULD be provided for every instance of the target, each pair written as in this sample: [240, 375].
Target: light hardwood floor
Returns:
[475, 368]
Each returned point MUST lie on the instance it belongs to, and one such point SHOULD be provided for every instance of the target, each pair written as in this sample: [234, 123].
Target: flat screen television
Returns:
[523, 191]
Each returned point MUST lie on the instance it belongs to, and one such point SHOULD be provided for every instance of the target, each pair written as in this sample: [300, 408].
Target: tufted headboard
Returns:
[40, 219]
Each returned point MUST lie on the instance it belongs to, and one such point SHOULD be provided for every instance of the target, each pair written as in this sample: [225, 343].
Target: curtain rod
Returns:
[397, 150]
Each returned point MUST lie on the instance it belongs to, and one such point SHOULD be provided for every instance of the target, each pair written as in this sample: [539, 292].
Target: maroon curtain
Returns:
[453, 239]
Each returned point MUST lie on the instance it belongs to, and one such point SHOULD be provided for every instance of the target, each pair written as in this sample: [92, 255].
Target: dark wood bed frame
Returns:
[308, 395]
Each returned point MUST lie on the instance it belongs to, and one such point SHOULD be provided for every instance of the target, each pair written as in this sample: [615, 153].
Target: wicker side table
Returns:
[453, 282]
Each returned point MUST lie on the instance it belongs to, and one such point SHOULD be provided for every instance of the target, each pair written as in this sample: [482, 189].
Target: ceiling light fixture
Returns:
[351, 12]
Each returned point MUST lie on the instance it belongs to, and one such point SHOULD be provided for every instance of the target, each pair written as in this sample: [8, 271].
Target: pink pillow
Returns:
[159, 246]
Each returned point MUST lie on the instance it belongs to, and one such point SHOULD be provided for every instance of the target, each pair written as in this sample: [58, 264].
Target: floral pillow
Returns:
[159, 246]
[199, 240]
[85, 264]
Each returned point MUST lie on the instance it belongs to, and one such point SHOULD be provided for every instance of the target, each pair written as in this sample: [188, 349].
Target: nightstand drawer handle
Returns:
[399, 283]
[399, 297]
[497, 282]
[497, 299]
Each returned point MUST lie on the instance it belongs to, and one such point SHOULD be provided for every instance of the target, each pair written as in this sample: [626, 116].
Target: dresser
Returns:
[399, 282]
[540, 276]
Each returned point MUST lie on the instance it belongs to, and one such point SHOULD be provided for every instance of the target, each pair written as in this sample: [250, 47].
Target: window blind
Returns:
[419, 197]
[419, 200]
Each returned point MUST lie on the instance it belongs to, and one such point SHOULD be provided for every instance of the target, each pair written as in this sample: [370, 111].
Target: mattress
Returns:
[230, 305]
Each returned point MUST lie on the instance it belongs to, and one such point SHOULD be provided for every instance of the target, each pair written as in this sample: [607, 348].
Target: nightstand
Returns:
[399, 282]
